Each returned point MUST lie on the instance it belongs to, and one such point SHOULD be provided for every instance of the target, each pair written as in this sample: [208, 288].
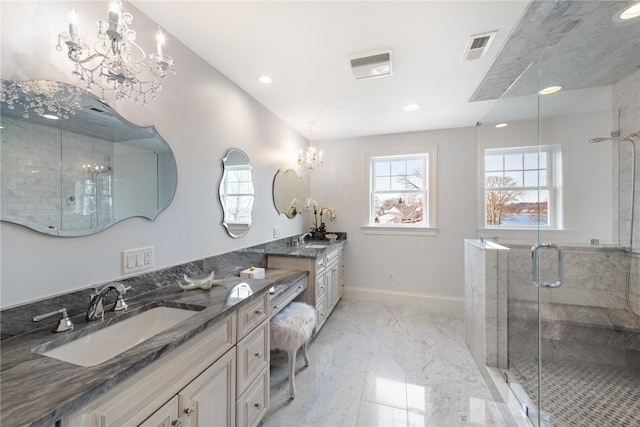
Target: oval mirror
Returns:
[236, 193]
[72, 166]
[288, 193]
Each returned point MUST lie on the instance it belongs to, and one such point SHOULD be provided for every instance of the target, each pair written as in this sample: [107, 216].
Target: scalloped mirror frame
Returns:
[288, 193]
[85, 173]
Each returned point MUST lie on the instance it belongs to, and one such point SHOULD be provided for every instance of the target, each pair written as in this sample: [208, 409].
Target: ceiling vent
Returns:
[365, 66]
[478, 45]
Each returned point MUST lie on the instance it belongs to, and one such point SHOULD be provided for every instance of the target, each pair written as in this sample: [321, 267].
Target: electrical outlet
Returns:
[134, 260]
[148, 256]
[390, 276]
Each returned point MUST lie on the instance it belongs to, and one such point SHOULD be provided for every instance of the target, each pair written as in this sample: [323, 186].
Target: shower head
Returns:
[615, 137]
[598, 140]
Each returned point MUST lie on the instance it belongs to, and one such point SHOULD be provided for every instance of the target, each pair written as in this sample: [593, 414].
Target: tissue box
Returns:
[253, 273]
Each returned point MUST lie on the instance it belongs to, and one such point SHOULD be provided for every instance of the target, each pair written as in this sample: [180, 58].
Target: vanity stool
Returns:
[291, 329]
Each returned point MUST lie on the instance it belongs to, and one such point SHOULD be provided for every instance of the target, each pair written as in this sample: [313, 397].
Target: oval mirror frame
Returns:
[236, 193]
[288, 193]
[83, 173]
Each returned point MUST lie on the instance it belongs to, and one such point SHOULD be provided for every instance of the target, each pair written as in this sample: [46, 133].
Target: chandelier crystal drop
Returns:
[311, 160]
[41, 97]
[116, 63]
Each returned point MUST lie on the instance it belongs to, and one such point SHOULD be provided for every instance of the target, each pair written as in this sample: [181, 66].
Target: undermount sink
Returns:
[101, 345]
[315, 246]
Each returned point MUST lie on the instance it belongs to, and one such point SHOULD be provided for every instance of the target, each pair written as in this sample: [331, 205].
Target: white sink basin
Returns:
[102, 345]
[315, 246]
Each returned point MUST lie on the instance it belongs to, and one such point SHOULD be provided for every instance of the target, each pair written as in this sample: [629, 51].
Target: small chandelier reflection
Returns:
[117, 63]
[310, 161]
[95, 169]
[41, 97]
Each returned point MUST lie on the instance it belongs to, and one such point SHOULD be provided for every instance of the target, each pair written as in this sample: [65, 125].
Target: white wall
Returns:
[199, 112]
[431, 266]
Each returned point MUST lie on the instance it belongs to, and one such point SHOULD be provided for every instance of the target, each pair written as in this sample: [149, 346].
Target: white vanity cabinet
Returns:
[325, 283]
[218, 378]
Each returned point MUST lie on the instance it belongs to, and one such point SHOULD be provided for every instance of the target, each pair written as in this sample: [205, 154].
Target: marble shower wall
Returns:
[485, 278]
[594, 276]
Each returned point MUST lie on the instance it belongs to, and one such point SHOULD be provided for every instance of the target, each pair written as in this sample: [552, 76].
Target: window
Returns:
[401, 190]
[521, 187]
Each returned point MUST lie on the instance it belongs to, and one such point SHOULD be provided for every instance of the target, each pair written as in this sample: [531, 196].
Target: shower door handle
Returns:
[535, 272]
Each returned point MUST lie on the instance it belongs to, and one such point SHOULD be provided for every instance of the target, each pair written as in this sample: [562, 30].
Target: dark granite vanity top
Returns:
[307, 252]
[38, 390]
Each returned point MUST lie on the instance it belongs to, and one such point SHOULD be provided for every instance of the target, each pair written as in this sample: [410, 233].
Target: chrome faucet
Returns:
[302, 237]
[96, 304]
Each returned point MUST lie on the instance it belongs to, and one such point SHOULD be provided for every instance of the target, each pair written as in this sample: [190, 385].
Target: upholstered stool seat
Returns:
[291, 329]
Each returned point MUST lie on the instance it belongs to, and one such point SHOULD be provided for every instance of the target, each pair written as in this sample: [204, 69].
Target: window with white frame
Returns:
[521, 187]
[401, 189]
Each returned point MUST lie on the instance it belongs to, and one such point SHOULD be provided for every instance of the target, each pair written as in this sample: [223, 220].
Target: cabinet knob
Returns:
[275, 307]
[259, 405]
[259, 311]
[189, 412]
[176, 423]
[258, 354]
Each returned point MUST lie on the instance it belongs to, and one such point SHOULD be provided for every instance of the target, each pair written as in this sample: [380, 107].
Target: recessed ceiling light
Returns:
[551, 89]
[629, 12]
[502, 125]
[50, 117]
[265, 80]
[411, 107]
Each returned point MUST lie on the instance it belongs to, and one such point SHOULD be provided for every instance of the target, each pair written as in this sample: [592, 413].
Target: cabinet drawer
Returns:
[252, 314]
[285, 298]
[321, 312]
[332, 256]
[320, 287]
[253, 356]
[320, 264]
[253, 404]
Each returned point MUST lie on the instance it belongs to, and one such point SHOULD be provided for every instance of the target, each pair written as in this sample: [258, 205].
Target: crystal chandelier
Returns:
[41, 97]
[310, 161]
[117, 63]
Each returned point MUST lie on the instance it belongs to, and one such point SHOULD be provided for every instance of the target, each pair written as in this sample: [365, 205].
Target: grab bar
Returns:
[535, 272]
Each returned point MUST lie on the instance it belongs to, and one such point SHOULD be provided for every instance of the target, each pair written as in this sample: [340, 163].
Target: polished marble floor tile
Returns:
[380, 365]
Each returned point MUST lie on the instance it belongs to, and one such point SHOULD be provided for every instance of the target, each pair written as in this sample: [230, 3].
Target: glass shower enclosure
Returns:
[557, 156]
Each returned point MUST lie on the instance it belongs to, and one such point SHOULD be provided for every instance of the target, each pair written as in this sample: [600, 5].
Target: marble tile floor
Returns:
[375, 365]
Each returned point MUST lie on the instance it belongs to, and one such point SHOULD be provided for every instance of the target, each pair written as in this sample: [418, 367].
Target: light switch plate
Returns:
[134, 260]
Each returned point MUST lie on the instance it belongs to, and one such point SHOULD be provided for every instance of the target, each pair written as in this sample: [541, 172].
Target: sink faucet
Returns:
[302, 237]
[96, 304]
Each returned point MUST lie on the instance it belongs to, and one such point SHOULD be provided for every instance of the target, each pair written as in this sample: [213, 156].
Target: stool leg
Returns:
[292, 372]
[304, 353]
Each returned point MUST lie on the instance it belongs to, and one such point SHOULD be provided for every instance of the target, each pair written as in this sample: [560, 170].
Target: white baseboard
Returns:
[432, 302]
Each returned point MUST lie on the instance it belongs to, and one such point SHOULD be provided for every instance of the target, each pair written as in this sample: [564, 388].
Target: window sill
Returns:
[399, 231]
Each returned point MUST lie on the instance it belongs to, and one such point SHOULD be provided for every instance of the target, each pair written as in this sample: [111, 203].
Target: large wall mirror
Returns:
[81, 174]
[288, 193]
[236, 193]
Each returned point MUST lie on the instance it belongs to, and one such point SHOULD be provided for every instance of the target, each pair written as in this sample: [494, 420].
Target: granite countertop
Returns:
[307, 252]
[38, 390]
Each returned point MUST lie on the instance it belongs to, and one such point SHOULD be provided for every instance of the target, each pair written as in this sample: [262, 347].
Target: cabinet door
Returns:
[166, 416]
[209, 400]
[333, 284]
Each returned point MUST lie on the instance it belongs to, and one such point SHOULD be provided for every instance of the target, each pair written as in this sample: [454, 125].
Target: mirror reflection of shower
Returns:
[93, 194]
[615, 136]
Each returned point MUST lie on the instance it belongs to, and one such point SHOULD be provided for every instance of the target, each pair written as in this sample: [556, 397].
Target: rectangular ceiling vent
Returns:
[478, 45]
[365, 66]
